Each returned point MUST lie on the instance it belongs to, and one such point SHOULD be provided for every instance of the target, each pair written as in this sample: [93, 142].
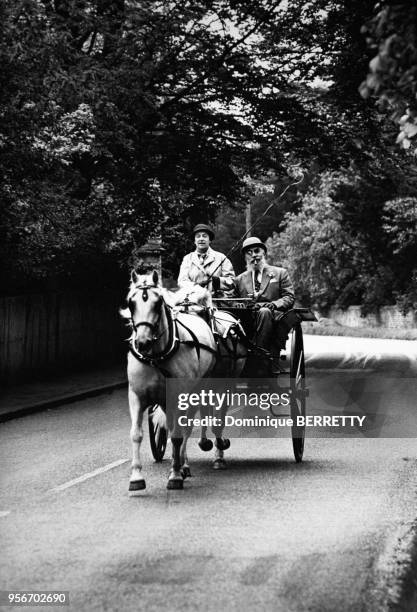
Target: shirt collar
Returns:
[207, 253]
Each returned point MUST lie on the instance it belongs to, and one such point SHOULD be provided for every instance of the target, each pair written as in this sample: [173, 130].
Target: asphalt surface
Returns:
[267, 534]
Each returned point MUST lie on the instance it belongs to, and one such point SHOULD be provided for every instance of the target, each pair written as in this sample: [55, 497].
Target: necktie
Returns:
[257, 281]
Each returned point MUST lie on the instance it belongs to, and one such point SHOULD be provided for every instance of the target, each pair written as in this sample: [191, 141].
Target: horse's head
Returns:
[145, 307]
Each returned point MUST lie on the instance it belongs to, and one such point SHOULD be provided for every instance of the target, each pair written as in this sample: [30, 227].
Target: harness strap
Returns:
[195, 341]
[172, 346]
[145, 324]
[150, 362]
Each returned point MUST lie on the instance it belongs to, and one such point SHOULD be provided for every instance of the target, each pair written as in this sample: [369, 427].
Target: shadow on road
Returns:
[264, 466]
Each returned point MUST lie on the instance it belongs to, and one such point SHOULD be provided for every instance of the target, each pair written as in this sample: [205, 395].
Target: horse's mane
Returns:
[125, 313]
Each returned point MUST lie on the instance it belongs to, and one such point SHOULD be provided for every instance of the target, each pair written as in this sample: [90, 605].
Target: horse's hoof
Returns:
[137, 485]
[222, 443]
[205, 444]
[175, 484]
[219, 464]
[186, 472]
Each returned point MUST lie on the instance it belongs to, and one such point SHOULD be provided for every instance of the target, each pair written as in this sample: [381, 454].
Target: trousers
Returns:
[269, 334]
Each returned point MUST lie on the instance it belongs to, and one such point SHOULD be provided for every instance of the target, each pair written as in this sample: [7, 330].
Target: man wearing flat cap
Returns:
[205, 266]
[271, 289]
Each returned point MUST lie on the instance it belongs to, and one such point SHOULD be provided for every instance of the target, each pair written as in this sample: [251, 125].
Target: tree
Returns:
[392, 77]
[116, 120]
[314, 248]
[349, 244]
[400, 226]
[121, 118]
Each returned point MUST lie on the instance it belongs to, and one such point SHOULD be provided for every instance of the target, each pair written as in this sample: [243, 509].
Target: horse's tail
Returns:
[159, 418]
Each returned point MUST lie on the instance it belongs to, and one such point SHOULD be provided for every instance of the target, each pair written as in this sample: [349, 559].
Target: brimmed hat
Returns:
[249, 243]
[202, 227]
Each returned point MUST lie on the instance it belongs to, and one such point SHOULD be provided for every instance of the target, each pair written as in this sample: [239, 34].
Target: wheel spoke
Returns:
[298, 376]
[297, 382]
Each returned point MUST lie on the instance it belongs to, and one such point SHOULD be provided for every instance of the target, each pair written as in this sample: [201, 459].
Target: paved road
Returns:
[268, 534]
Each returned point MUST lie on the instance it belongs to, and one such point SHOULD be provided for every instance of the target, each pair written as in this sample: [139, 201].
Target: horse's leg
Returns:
[137, 481]
[204, 443]
[185, 466]
[187, 431]
[221, 443]
[175, 478]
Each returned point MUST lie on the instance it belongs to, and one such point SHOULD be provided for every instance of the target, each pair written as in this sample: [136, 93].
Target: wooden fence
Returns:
[50, 333]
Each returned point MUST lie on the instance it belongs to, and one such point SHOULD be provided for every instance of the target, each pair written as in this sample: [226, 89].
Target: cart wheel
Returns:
[157, 436]
[298, 395]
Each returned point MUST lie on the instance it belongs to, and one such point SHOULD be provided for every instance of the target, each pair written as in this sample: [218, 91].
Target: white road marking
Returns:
[84, 477]
[4, 513]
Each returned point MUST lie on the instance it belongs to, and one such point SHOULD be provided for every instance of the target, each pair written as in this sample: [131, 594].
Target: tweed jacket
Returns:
[275, 287]
[194, 271]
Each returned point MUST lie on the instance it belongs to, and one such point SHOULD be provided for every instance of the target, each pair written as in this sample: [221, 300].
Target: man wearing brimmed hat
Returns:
[204, 266]
[271, 288]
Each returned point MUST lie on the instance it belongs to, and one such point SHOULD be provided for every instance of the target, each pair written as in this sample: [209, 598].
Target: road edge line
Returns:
[88, 475]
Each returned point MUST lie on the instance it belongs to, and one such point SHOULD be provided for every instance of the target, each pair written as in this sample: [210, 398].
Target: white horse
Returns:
[165, 343]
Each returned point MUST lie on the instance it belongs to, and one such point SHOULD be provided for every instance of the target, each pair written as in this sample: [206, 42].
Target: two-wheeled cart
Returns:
[291, 380]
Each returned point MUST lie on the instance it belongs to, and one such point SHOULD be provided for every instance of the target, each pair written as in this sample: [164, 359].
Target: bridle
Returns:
[172, 343]
[152, 326]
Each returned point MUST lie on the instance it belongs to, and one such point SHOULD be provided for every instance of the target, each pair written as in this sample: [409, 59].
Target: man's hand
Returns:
[204, 282]
[215, 283]
[270, 305]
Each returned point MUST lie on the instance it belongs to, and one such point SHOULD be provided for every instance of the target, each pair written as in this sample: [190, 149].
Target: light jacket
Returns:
[194, 271]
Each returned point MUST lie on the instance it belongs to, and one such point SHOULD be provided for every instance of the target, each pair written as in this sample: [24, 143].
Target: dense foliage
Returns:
[392, 77]
[339, 241]
[116, 119]
[122, 118]
[348, 245]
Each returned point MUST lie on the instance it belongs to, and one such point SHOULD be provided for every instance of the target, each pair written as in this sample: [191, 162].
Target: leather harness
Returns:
[157, 359]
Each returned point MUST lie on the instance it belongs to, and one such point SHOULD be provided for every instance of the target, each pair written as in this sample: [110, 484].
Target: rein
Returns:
[173, 343]
[195, 342]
